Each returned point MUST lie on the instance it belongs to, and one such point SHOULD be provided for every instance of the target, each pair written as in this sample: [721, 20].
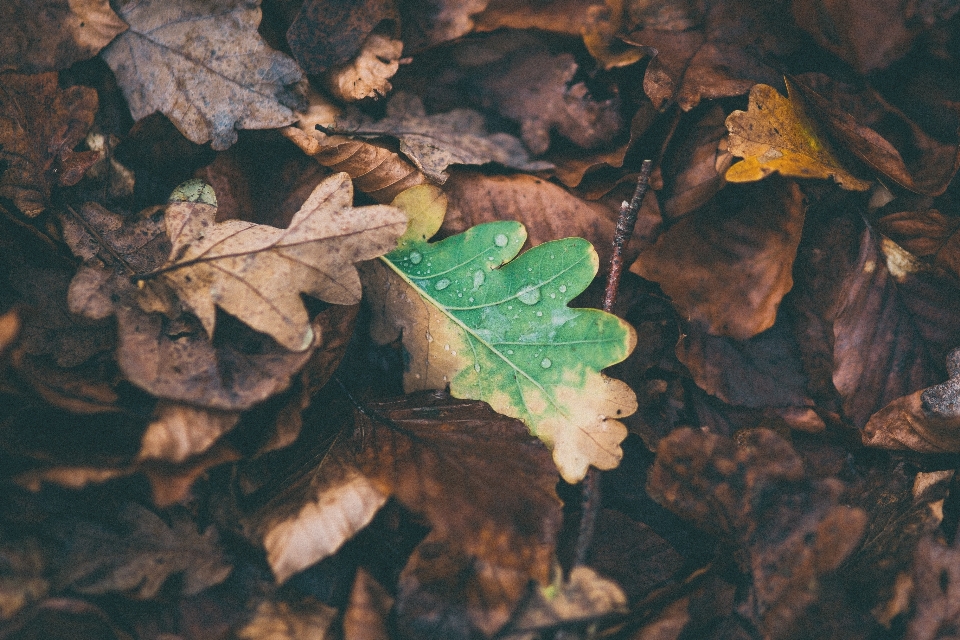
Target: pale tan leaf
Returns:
[368, 75]
[257, 273]
[307, 620]
[181, 431]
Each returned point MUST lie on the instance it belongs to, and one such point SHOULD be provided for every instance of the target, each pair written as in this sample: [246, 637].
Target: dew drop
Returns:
[510, 307]
[442, 284]
[429, 337]
[539, 314]
[446, 347]
[529, 294]
[471, 299]
[509, 352]
[476, 367]
[563, 288]
[415, 257]
[478, 279]
[489, 257]
[501, 240]
[460, 295]
[553, 295]
[545, 363]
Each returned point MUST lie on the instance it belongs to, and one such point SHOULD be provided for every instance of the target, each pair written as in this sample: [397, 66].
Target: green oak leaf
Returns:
[497, 328]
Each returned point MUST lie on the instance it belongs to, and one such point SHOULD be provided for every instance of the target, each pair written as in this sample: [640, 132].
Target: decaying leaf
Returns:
[140, 559]
[934, 581]
[248, 269]
[499, 330]
[204, 66]
[40, 124]
[368, 75]
[367, 615]
[181, 431]
[434, 21]
[776, 135]
[728, 264]
[434, 142]
[789, 529]
[51, 36]
[22, 582]
[324, 34]
[712, 49]
[516, 74]
[927, 234]
[277, 620]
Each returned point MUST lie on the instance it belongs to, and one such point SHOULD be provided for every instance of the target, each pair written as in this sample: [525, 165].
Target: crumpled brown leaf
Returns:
[729, 264]
[434, 142]
[138, 560]
[431, 22]
[516, 75]
[204, 66]
[716, 54]
[789, 531]
[935, 579]
[482, 483]
[51, 36]
[40, 124]
[257, 272]
[326, 34]
[368, 75]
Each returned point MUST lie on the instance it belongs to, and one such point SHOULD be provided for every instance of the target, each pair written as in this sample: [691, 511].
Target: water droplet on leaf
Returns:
[501, 240]
[415, 257]
[529, 294]
[442, 284]
[545, 363]
[478, 279]
[563, 288]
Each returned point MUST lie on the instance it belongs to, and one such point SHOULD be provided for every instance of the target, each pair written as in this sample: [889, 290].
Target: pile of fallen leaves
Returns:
[299, 333]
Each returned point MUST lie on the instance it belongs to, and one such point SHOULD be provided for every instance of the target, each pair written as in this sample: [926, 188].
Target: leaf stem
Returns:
[625, 224]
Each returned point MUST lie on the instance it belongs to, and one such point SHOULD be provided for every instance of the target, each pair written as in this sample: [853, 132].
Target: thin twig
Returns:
[625, 224]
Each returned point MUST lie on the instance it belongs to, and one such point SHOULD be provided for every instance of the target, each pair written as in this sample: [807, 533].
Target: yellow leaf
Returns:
[775, 135]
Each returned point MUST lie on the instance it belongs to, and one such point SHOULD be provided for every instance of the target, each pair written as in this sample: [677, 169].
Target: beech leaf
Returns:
[776, 135]
[499, 330]
[204, 66]
[257, 272]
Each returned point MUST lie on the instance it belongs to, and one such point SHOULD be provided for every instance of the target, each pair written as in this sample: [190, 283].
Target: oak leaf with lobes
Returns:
[256, 272]
[498, 329]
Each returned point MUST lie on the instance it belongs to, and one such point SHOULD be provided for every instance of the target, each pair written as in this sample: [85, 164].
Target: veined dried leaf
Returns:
[499, 330]
[257, 273]
[776, 134]
[368, 75]
[203, 65]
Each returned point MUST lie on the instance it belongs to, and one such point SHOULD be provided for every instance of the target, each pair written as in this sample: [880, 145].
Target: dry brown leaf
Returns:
[23, 582]
[558, 16]
[516, 75]
[257, 273]
[711, 50]
[326, 34]
[934, 582]
[777, 135]
[789, 528]
[368, 75]
[181, 431]
[927, 234]
[138, 560]
[204, 66]
[51, 36]
[431, 22]
[547, 210]
[864, 124]
[602, 28]
[368, 614]
[309, 619]
[729, 264]
[434, 142]
[40, 124]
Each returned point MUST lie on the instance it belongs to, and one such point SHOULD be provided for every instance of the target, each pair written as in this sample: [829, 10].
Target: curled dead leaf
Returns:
[368, 75]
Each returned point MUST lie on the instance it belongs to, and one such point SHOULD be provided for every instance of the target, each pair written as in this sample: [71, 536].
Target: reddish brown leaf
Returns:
[718, 58]
[926, 234]
[880, 135]
[729, 264]
[51, 36]
[40, 124]
[789, 530]
[325, 34]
